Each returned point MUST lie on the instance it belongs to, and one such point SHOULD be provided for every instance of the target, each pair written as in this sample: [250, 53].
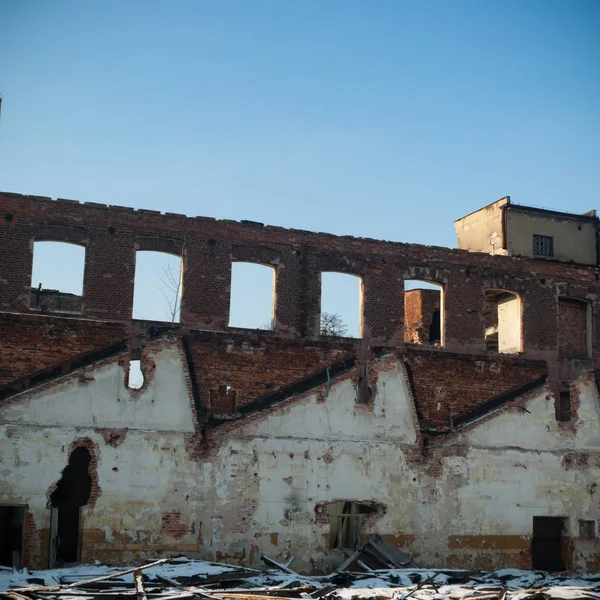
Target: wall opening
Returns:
[341, 305]
[502, 319]
[547, 543]
[71, 493]
[423, 311]
[158, 286]
[574, 328]
[346, 521]
[57, 277]
[135, 377]
[252, 298]
[562, 406]
[12, 522]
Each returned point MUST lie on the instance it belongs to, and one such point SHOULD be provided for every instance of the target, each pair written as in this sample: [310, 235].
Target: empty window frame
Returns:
[587, 530]
[57, 277]
[543, 245]
[158, 286]
[423, 313]
[252, 299]
[502, 318]
[341, 305]
[345, 523]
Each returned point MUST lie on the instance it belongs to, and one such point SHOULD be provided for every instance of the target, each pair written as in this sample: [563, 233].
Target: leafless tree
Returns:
[171, 290]
[333, 325]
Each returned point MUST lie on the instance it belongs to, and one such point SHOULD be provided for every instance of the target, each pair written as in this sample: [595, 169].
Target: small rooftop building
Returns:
[515, 230]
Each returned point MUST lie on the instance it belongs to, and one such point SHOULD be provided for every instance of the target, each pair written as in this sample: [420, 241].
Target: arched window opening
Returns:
[341, 305]
[574, 328]
[57, 277]
[423, 312]
[158, 286]
[502, 319]
[135, 377]
[252, 298]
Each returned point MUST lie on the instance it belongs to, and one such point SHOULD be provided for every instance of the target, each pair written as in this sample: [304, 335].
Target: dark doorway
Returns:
[12, 519]
[71, 493]
[435, 331]
[546, 546]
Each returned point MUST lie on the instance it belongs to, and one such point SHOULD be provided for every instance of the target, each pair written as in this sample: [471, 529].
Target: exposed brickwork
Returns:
[172, 524]
[235, 369]
[572, 328]
[420, 307]
[446, 385]
[112, 234]
[31, 343]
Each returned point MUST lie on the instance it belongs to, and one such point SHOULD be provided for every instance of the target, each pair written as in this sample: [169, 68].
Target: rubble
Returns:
[186, 579]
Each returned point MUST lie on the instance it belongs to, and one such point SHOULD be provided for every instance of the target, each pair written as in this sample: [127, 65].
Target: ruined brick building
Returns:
[463, 424]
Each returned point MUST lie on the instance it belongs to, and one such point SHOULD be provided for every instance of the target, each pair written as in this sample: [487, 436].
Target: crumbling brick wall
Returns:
[112, 234]
[572, 328]
[31, 343]
[421, 323]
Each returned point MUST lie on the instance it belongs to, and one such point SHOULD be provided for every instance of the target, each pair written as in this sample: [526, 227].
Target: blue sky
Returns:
[385, 119]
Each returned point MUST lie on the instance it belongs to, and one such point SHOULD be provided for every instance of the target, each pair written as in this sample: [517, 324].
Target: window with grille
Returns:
[587, 530]
[543, 245]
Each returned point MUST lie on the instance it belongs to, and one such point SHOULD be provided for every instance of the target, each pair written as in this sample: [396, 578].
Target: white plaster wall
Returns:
[340, 417]
[99, 397]
[538, 429]
[509, 325]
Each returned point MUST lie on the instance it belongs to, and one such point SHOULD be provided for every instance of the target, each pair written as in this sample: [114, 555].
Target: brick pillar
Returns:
[109, 275]
[463, 302]
[311, 297]
[289, 292]
[206, 284]
[383, 306]
[16, 263]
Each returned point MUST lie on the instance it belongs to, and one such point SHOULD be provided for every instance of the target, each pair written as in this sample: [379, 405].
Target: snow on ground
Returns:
[392, 584]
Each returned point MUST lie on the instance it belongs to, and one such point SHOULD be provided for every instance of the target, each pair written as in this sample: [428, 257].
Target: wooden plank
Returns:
[272, 563]
[140, 593]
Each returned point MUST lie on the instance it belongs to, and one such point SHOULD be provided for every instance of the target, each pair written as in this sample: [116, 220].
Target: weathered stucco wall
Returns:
[263, 484]
[482, 230]
[574, 238]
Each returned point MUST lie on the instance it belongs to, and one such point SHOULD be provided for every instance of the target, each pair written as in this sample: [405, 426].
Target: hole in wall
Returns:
[158, 286]
[12, 522]
[341, 305]
[252, 296]
[135, 377]
[58, 266]
[423, 312]
[72, 492]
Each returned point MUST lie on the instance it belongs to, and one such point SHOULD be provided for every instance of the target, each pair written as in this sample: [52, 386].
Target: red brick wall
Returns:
[30, 343]
[112, 234]
[419, 306]
[447, 385]
[572, 328]
[254, 365]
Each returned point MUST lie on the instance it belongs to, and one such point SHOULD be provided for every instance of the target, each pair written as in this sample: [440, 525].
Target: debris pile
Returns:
[185, 579]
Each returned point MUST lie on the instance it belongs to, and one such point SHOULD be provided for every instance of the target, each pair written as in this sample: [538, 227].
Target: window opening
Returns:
[543, 245]
[72, 492]
[547, 544]
[341, 305]
[563, 406]
[158, 286]
[135, 378]
[57, 277]
[502, 318]
[587, 530]
[422, 312]
[346, 521]
[252, 299]
[12, 521]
